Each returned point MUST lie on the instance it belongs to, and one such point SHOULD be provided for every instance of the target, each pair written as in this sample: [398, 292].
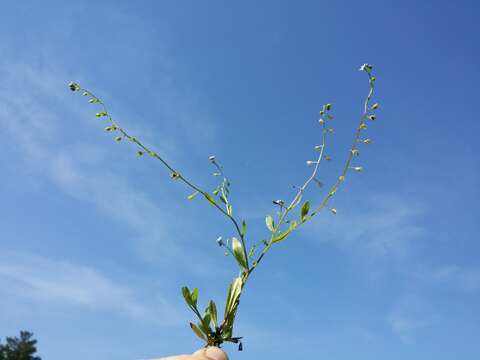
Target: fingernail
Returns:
[215, 353]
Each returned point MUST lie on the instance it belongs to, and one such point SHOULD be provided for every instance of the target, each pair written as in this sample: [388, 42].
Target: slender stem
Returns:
[295, 200]
[333, 189]
[341, 178]
[155, 155]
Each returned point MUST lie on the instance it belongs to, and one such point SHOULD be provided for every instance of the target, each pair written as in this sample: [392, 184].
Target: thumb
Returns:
[211, 353]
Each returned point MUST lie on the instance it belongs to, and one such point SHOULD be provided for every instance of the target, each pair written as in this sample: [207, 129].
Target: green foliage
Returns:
[19, 348]
[210, 328]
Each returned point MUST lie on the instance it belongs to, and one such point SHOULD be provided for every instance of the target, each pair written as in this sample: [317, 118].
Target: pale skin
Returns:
[209, 353]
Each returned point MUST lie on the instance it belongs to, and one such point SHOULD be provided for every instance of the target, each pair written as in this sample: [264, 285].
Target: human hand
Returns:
[209, 353]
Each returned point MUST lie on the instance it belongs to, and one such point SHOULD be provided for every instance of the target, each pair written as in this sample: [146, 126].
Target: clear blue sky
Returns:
[95, 243]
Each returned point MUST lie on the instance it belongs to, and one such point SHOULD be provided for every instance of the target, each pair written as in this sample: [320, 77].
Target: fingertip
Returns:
[212, 353]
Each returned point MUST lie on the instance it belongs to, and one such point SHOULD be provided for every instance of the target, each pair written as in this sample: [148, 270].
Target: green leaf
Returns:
[209, 198]
[304, 211]
[192, 196]
[269, 223]
[194, 296]
[251, 253]
[229, 210]
[239, 253]
[205, 324]
[186, 294]
[244, 228]
[282, 236]
[212, 309]
[233, 294]
[198, 332]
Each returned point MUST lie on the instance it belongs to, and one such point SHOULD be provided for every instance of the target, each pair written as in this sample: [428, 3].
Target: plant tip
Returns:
[366, 67]
[73, 86]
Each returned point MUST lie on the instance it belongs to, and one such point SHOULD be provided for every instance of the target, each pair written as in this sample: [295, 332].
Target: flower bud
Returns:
[73, 86]
[279, 202]
[366, 68]
[375, 106]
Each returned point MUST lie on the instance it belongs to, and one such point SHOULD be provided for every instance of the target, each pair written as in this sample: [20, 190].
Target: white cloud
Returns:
[43, 280]
[409, 317]
[33, 121]
[451, 276]
[384, 226]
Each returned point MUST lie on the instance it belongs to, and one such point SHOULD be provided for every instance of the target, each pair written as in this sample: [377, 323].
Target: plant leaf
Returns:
[209, 198]
[194, 296]
[269, 223]
[192, 196]
[205, 324]
[212, 308]
[233, 294]
[198, 332]
[238, 252]
[282, 236]
[304, 211]
[186, 294]
[244, 228]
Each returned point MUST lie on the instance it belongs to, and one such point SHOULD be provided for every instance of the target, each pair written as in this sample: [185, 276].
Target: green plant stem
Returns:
[167, 165]
[333, 189]
[284, 211]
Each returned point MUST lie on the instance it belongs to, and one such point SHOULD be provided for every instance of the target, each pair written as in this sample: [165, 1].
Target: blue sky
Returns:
[95, 243]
